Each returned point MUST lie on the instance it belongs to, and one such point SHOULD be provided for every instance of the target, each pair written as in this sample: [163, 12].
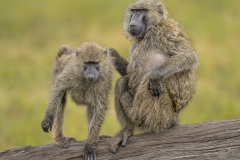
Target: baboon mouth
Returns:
[91, 80]
[135, 32]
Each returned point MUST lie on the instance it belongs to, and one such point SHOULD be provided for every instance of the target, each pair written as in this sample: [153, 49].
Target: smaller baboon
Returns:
[86, 74]
[159, 79]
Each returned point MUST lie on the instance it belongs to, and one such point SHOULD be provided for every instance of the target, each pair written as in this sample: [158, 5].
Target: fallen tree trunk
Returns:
[210, 140]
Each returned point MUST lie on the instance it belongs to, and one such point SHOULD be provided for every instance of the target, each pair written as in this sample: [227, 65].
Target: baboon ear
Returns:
[160, 9]
[162, 12]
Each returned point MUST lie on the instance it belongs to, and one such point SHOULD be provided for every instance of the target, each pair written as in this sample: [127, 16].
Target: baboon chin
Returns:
[159, 79]
[86, 74]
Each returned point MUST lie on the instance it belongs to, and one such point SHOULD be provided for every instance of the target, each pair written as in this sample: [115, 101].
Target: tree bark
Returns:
[210, 140]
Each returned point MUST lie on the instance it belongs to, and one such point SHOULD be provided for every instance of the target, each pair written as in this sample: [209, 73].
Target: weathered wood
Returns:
[210, 140]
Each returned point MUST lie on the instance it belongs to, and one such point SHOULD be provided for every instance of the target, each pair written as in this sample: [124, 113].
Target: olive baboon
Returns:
[159, 79]
[86, 74]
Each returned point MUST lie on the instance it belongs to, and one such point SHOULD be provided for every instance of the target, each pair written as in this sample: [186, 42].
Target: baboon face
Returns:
[137, 25]
[90, 60]
[143, 15]
[91, 69]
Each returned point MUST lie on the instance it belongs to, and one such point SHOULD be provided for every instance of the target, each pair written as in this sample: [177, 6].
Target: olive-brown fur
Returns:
[162, 58]
[68, 77]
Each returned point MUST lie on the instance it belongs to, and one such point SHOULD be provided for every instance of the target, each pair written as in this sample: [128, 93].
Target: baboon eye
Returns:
[95, 62]
[144, 10]
[88, 62]
[134, 10]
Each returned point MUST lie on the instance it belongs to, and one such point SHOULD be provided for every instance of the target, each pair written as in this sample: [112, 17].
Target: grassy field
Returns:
[31, 32]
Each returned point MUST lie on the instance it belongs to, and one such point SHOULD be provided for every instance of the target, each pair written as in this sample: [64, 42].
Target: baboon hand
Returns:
[89, 152]
[112, 52]
[155, 86]
[120, 138]
[64, 142]
[47, 124]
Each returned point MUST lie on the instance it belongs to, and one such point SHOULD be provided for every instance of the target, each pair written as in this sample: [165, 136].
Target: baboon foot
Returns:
[89, 152]
[47, 124]
[170, 123]
[64, 142]
[119, 139]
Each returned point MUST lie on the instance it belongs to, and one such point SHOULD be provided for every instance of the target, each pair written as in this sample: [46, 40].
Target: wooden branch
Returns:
[210, 140]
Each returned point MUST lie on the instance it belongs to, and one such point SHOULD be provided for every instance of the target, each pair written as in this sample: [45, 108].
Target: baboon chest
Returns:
[142, 63]
[83, 95]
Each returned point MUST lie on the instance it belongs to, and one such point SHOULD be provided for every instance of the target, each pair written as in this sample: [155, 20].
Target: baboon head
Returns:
[89, 58]
[143, 15]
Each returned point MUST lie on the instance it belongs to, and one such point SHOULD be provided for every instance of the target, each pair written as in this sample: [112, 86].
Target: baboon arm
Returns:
[56, 95]
[121, 65]
[96, 123]
[178, 62]
[119, 62]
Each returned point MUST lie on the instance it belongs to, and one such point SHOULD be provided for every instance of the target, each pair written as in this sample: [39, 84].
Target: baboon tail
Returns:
[63, 50]
[61, 61]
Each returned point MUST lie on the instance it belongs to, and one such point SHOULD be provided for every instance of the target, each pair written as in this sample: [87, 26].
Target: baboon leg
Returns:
[123, 104]
[123, 101]
[181, 88]
[58, 135]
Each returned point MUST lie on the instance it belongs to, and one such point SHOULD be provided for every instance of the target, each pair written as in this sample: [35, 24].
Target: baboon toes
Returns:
[170, 124]
[64, 142]
[119, 139]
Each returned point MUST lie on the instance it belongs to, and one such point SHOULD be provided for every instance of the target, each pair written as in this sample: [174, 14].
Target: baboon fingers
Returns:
[46, 125]
[111, 52]
[95, 155]
[91, 156]
[155, 88]
[89, 153]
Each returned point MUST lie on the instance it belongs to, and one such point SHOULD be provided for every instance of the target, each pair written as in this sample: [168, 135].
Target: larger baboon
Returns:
[159, 79]
[86, 75]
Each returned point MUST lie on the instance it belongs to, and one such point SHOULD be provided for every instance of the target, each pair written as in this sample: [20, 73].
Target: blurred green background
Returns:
[31, 32]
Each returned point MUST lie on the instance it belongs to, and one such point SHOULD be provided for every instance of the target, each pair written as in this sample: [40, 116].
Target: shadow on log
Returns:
[210, 140]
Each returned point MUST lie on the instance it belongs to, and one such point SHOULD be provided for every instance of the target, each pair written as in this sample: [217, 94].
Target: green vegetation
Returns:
[32, 31]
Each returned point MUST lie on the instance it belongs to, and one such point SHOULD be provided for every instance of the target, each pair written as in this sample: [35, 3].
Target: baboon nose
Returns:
[132, 25]
[91, 78]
